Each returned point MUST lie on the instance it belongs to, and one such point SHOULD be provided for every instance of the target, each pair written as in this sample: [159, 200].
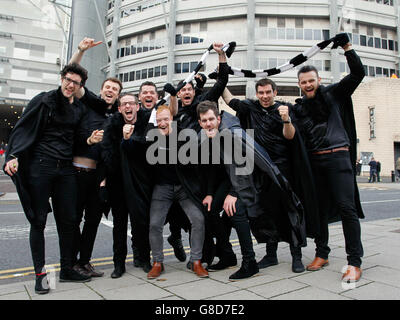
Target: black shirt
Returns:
[61, 130]
[324, 135]
[267, 125]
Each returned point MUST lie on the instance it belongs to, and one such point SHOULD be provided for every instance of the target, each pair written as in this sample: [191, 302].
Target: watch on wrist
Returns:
[288, 121]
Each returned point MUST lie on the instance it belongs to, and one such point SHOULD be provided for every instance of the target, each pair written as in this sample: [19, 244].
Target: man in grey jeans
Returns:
[171, 185]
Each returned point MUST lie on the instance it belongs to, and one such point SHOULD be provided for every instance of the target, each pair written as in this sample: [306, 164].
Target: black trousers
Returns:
[55, 179]
[120, 215]
[219, 227]
[334, 180]
[89, 207]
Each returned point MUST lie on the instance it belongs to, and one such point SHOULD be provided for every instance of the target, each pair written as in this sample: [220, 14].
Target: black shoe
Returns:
[247, 270]
[189, 265]
[146, 266]
[179, 251]
[118, 271]
[42, 285]
[81, 270]
[136, 261]
[267, 261]
[297, 265]
[70, 275]
[223, 263]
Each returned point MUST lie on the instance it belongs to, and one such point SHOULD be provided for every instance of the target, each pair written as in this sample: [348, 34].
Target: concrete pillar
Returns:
[85, 23]
[333, 19]
[251, 15]
[171, 41]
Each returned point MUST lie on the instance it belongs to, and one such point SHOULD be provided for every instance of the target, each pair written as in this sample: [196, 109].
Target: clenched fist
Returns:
[284, 113]
[127, 130]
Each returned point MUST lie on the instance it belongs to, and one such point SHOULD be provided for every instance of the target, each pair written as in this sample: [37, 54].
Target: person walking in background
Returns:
[372, 170]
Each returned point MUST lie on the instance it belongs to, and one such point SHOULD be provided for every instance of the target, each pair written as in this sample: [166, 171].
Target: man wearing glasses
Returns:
[39, 160]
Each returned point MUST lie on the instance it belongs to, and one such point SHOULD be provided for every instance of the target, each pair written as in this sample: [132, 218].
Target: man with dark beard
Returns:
[275, 132]
[326, 119]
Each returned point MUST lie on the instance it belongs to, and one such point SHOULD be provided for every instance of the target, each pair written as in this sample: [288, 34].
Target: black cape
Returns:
[247, 191]
[302, 181]
[25, 133]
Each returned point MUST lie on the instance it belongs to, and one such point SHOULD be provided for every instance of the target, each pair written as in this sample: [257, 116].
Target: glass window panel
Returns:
[132, 76]
[145, 48]
[325, 34]
[370, 42]
[186, 39]
[289, 34]
[178, 39]
[308, 34]
[163, 70]
[157, 71]
[144, 74]
[386, 72]
[356, 39]
[391, 45]
[384, 44]
[317, 34]
[378, 71]
[363, 40]
[377, 43]
[122, 52]
[327, 65]
[150, 73]
[185, 67]
[299, 34]
[133, 50]
[194, 40]
[126, 77]
[178, 68]
[138, 75]
[139, 49]
[271, 33]
[193, 65]
[281, 33]
[127, 51]
[371, 71]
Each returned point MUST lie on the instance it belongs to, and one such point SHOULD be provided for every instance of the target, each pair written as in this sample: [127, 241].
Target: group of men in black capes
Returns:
[95, 154]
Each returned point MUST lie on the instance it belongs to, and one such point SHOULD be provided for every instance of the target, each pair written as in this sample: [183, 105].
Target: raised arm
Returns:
[84, 45]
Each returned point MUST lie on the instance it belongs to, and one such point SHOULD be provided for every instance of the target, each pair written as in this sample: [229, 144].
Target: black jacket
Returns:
[24, 135]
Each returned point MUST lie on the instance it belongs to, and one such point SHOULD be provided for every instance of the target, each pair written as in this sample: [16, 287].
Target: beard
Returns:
[316, 108]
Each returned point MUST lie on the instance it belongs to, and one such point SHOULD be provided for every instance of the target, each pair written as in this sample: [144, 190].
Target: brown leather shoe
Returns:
[92, 271]
[156, 270]
[317, 264]
[199, 270]
[352, 274]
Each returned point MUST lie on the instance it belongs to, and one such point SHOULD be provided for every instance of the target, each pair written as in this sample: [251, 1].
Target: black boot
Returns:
[179, 251]
[42, 285]
[297, 264]
[119, 270]
[223, 263]
[270, 259]
[136, 262]
[247, 270]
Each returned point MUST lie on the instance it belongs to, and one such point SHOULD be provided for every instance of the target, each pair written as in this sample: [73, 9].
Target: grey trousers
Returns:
[162, 199]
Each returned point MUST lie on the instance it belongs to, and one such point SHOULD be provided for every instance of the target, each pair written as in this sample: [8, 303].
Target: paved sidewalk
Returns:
[380, 280]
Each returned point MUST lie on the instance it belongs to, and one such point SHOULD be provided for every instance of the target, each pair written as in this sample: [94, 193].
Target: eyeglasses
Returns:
[132, 103]
[69, 80]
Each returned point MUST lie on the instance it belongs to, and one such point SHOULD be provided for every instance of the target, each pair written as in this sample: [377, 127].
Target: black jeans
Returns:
[334, 180]
[219, 226]
[88, 201]
[55, 179]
